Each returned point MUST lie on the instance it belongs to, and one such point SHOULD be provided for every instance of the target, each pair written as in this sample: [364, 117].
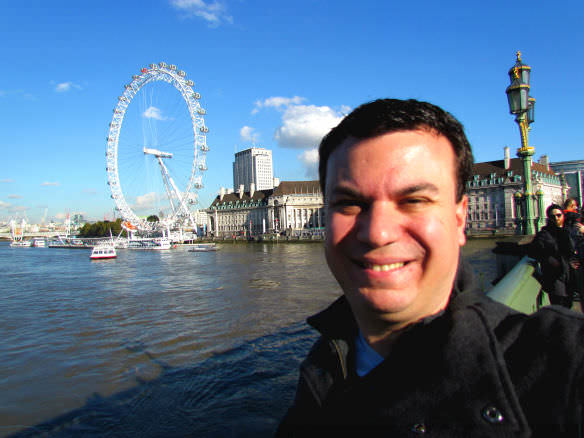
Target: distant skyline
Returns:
[276, 75]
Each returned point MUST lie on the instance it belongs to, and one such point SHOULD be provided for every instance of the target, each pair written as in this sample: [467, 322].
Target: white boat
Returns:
[18, 237]
[103, 251]
[162, 243]
[38, 242]
[21, 244]
[204, 247]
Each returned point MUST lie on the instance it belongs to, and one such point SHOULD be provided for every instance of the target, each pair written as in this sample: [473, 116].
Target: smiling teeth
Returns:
[385, 268]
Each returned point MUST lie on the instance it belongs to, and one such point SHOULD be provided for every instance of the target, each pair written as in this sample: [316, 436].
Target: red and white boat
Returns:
[103, 251]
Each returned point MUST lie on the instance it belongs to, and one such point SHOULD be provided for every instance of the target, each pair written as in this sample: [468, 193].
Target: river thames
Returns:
[161, 343]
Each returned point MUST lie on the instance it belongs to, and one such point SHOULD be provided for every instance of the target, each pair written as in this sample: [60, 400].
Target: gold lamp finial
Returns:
[518, 56]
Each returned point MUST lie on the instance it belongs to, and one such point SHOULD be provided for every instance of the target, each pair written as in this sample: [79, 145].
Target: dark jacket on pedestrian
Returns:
[571, 225]
[477, 369]
[553, 248]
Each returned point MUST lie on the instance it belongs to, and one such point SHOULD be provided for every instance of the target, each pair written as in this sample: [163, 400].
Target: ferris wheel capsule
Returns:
[197, 95]
[172, 67]
[202, 111]
[135, 77]
[182, 73]
[162, 64]
[190, 83]
[153, 66]
[204, 129]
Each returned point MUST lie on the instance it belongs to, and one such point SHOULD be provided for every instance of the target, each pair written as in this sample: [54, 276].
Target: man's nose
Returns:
[380, 225]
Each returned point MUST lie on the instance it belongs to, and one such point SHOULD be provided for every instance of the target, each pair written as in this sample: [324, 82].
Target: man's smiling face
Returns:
[394, 226]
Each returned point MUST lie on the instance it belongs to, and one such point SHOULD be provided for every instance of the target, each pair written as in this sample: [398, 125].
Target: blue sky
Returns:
[274, 74]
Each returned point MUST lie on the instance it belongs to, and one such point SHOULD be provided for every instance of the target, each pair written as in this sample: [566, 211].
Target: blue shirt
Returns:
[366, 358]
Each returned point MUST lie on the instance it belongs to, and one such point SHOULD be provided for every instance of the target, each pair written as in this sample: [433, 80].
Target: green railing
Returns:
[519, 289]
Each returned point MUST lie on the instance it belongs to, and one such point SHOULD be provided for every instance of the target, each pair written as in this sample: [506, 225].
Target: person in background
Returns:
[412, 347]
[553, 248]
[572, 223]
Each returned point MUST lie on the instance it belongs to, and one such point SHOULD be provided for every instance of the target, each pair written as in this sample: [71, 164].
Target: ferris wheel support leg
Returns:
[165, 179]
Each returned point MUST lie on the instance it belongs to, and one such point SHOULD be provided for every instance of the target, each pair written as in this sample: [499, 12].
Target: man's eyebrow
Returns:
[345, 191]
[415, 188]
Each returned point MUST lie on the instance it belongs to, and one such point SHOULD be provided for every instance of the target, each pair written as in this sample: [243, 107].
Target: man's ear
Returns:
[461, 210]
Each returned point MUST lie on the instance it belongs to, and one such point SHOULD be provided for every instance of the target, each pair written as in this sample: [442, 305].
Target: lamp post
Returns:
[523, 106]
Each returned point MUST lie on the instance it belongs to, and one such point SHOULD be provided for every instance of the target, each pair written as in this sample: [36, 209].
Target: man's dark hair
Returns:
[552, 207]
[384, 116]
[570, 201]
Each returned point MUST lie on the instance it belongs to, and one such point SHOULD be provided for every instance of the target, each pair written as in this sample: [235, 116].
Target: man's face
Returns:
[557, 217]
[394, 228]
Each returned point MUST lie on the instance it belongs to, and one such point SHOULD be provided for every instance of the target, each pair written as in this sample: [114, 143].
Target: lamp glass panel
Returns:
[531, 112]
[525, 76]
[513, 98]
[524, 98]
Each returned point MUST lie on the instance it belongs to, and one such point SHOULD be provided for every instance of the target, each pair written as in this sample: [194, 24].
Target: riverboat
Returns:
[38, 242]
[204, 247]
[18, 236]
[150, 244]
[21, 243]
[103, 251]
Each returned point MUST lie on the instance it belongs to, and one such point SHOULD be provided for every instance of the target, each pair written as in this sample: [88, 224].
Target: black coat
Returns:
[553, 248]
[477, 369]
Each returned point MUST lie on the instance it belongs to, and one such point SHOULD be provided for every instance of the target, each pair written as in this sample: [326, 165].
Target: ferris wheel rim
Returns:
[176, 78]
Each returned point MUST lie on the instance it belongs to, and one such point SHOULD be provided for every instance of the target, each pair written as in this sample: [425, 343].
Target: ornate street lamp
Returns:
[523, 107]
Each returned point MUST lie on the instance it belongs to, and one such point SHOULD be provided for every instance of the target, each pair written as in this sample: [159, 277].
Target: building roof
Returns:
[258, 196]
[497, 167]
[285, 188]
[297, 187]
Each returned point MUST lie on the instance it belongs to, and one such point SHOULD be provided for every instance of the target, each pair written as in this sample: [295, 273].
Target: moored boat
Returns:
[204, 247]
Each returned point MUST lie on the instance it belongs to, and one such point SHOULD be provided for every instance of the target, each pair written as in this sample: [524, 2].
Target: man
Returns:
[410, 348]
[553, 247]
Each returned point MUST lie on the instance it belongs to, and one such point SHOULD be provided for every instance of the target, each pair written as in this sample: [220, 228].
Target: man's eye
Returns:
[415, 202]
[347, 207]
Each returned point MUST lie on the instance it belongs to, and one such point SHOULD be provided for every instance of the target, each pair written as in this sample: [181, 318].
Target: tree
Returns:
[152, 218]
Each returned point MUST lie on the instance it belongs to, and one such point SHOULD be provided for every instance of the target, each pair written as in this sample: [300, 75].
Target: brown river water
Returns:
[169, 343]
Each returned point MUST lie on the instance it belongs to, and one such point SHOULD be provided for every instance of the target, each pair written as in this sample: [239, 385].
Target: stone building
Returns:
[294, 207]
[253, 166]
[495, 194]
[573, 173]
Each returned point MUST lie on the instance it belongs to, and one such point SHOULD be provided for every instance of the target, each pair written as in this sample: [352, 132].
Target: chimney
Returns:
[221, 193]
[276, 182]
[240, 191]
[251, 190]
[507, 158]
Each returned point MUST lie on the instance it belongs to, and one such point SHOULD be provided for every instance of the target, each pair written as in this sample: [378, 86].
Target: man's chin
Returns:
[385, 303]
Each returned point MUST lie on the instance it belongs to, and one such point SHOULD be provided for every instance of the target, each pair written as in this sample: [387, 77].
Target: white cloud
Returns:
[277, 102]
[4, 204]
[14, 196]
[247, 134]
[66, 86]
[214, 12]
[309, 160]
[303, 126]
[60, 215]
[90, 191]
[145, 201]
[6, 180]
[48, 183]
[153, 113]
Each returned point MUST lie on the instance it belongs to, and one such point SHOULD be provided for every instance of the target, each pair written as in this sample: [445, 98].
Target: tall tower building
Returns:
[253, 165]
